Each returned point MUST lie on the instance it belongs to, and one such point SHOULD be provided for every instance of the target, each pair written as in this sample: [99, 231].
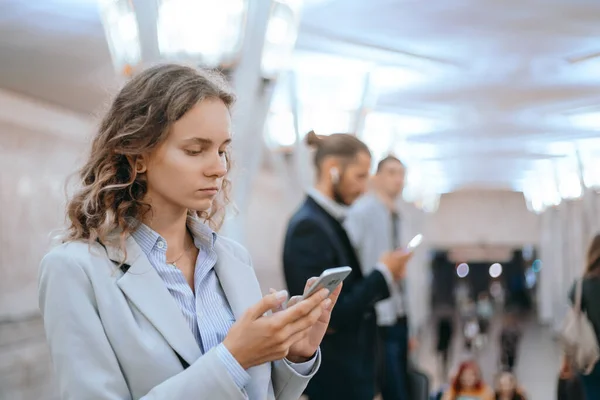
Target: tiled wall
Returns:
[33, 167]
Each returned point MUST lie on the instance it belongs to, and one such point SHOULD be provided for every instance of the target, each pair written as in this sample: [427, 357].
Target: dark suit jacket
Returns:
[314, 242]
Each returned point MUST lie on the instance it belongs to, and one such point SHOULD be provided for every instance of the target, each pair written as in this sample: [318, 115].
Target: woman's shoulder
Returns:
[69, 256]
[488, 393]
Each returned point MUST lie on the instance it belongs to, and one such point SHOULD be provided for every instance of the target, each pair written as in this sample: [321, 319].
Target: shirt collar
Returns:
[202, 233]
[333, 208]
[147, 238]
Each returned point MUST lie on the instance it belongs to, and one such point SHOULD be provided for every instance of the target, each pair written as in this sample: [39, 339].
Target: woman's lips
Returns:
[210, 191]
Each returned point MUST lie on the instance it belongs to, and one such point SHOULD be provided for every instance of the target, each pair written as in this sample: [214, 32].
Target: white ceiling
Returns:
[502, 74]
[499, 74]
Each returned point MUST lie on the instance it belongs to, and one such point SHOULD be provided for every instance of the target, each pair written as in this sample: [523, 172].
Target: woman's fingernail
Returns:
[281, 295]
[326, 303]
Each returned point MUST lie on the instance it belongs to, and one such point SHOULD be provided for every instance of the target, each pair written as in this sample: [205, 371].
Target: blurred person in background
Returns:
[569, 385]
[472, 334]
[144, 299]
[468, 384]
[316, 240]
[590, 305]
[510, 337]
[485, 312]
[373, 224]
[497, 292]
[507, 387]
[445, 331]
[470, 323]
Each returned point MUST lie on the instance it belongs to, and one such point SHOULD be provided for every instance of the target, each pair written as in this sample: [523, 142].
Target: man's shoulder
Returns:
[305, 213]
[364, 204]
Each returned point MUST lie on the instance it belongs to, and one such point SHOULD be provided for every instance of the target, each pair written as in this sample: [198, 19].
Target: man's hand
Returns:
[413, 344]
[396, 261]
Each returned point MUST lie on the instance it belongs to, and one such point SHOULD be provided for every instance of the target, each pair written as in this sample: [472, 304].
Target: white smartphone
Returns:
[329, 279]
[415, 242]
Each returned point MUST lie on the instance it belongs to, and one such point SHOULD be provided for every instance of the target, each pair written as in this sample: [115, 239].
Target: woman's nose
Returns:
[219, 166]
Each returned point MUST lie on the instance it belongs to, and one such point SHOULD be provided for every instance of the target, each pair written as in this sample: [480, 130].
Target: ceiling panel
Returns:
[500, 74]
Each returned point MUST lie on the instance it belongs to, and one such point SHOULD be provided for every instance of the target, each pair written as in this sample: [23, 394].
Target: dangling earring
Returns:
[334, 173]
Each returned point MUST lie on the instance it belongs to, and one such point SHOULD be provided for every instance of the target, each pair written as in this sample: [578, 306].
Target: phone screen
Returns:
[415, 242]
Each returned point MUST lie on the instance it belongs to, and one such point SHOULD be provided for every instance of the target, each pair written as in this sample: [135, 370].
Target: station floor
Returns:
[537, 365]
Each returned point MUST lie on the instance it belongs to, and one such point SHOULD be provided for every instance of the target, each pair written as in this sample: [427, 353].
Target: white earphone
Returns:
[335, 175]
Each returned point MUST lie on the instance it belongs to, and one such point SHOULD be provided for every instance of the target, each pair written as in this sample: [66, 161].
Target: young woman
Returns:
[507, 388]
[468, 384]
[590, 303]
[143, 299]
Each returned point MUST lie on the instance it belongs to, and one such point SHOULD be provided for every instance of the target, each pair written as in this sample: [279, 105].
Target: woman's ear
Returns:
[138, 163]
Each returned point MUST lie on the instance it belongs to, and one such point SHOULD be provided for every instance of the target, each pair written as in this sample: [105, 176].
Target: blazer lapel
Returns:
[242, 290]
[146, 290]
[237, 279]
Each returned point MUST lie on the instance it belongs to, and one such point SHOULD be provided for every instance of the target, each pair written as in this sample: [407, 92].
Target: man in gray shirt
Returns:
[373, 225]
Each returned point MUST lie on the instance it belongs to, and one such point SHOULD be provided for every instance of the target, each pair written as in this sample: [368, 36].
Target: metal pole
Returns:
[249, 86]
[300, 154]
[367, 101]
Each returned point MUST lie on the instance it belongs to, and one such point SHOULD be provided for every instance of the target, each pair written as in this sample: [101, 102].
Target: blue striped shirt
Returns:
[206, 311]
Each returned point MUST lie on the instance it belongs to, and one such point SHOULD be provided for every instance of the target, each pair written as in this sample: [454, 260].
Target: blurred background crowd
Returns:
[482, 119]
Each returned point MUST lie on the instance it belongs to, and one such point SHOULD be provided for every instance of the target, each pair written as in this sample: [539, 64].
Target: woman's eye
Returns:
[193, 152]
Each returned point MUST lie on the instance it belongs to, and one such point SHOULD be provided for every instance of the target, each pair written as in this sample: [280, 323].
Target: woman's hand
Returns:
[256, 339]
[306, 347]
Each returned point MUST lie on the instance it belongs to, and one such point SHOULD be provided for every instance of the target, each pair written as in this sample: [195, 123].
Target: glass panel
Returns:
[388, 79]
[282, 31]
[591, 172]
[325, 121]
[201, 30]
[122, 35]
[589, 150]
[590, 120]
[329, 81]
[569, 184]
[378, 134]
[280, 128]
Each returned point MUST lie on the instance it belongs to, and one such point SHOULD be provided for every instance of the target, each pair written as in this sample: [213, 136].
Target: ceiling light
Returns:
[194, 31]
[495, 270]
[201, 31]
[462, 270]
[122, 34]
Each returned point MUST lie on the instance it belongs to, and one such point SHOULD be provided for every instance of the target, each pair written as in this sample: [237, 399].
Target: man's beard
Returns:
[337, 195]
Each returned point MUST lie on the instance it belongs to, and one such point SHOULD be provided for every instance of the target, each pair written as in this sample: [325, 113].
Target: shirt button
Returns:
[160, 244]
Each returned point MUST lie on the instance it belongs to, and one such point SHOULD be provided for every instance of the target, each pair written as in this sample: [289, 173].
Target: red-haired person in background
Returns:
[468, 384]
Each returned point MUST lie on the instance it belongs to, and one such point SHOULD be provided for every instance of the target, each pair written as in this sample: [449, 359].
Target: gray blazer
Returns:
[113, 335]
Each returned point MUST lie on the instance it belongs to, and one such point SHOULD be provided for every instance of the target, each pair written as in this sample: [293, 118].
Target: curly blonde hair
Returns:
[138, 120]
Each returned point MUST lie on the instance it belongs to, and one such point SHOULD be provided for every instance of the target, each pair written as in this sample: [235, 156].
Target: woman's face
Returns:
[506, 384]
[186, 171]
[469, 378]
